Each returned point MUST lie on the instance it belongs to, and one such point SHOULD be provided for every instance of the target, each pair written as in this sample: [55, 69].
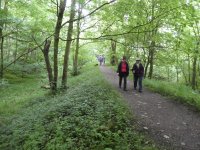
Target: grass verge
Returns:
[176, 91]
[89, 116]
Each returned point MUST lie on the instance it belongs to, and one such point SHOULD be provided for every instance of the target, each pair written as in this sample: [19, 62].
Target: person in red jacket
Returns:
[123, 72]
[138, 72]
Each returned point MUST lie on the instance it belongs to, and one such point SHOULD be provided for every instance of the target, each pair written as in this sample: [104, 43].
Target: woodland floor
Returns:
[169, 123]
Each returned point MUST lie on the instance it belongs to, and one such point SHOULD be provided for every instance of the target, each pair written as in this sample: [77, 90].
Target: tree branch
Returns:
[90, 26]
[88, 13]
[25, 53]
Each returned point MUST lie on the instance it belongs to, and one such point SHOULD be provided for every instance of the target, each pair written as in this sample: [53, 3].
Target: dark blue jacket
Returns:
[138, 71]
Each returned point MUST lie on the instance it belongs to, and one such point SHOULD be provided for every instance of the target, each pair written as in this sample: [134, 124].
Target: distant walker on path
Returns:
[138, 72]
[123, 72]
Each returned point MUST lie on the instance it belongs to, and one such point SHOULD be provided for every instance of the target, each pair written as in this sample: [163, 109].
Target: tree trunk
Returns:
[199, 68]
[8, 50]
[68, 45]
[75, 64]
[146, 65]
[16, 46]
[47, 62]
[113, 60]
[168, 73]
[189, 76]
[194, 70]
[2, 39]
[56, 41]
[177, 68]
[152, 45]
[2, 62]
[177, 74]
[146, 68]
[151, 59]
[184, 75]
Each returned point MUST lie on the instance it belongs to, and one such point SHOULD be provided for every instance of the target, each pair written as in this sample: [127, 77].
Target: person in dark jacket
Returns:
[123, 72]
[138, 72]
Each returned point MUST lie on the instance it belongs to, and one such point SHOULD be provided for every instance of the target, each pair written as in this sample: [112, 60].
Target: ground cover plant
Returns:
[89, 115]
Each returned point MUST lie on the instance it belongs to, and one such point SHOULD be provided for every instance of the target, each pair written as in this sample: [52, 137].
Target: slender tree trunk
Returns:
[177, 68]
[56, 41]
[113, 60]
[185, 76]
[1, 46]
[47, 62]
[152, 45]
[2, 39]
[16, 46]
[68, 45]
[75, 64]
[146, 68]
[151, 59]
[168, 74]
[177, 74]
[8, 50]
[2, 62]
[147, 65]
[189, 76]
[194, 70]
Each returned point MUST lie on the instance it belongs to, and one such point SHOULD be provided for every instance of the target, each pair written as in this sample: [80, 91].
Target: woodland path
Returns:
[170, 124]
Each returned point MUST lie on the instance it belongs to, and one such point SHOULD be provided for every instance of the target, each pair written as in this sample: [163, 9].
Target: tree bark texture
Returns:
[47, 62]
[68, 45]
[151, 59]
[146, 67]
[2, 38]
[2, 55]
[56, 41]
[113, 60]
[75, 64]
[194, 72]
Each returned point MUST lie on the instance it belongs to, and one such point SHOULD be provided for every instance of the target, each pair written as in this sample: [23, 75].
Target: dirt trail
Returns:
[169, 123]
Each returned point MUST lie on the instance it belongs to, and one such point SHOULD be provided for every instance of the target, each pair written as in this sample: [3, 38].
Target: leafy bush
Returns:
[22, 68]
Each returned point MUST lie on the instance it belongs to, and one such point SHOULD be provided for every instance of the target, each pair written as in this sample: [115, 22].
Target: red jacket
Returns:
[123, 68]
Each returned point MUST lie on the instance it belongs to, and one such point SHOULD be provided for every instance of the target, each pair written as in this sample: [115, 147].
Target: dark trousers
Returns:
[120, 81]
[136, 79]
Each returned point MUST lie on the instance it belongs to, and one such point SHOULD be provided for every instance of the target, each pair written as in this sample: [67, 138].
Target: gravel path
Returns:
[169, 123]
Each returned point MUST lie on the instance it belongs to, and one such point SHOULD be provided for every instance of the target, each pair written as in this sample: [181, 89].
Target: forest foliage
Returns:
[67, 34]
[48, 42]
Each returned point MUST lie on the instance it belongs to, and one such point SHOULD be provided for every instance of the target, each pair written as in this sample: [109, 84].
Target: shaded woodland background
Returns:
[60, 36]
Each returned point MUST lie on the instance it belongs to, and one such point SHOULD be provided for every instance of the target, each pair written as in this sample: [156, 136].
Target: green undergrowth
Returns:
[15, 91]
[89, 116]
[176, 91]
